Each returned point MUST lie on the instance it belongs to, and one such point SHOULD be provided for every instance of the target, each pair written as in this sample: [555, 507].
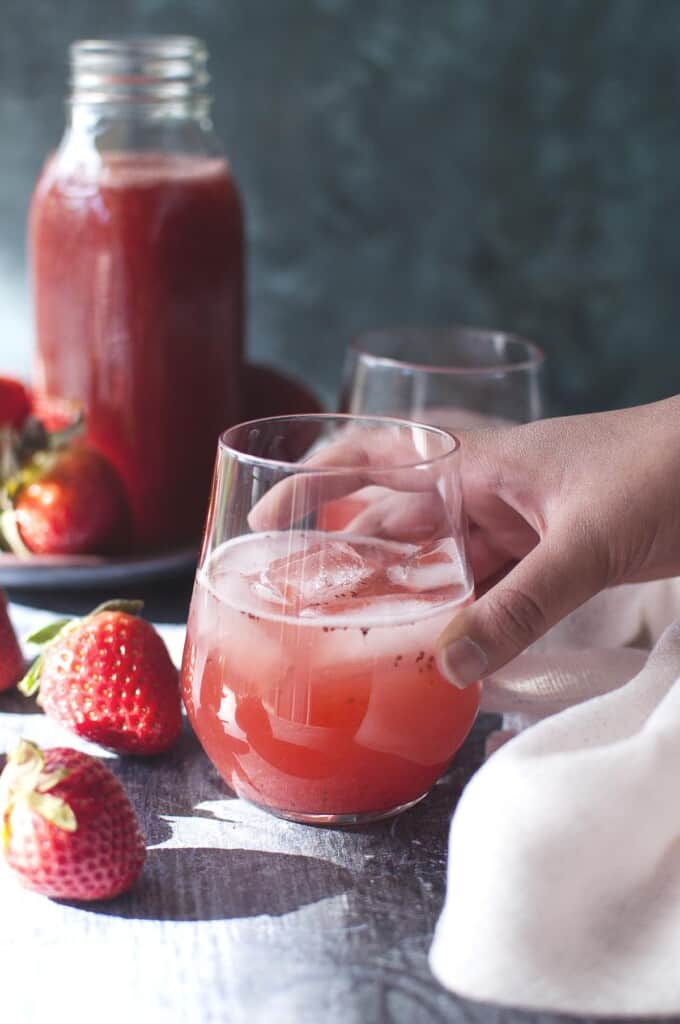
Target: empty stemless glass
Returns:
[454, 377]
[309, 671]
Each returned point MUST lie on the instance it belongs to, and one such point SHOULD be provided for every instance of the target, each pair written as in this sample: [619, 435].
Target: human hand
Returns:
[395, 477]
[559, 510]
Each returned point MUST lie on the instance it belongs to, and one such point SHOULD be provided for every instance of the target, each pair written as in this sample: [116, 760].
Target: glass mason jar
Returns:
[136, 247]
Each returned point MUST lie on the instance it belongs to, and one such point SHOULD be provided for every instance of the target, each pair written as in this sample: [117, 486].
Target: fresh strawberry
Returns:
[66, 502]
[15, 403]
[109, 678]
[68, 828]
[11, 658]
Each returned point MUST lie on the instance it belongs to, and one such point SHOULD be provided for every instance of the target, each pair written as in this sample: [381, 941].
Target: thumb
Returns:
[552, 580]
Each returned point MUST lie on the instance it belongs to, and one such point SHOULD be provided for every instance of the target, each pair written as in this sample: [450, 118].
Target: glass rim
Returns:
[341, 470]
[535, 358]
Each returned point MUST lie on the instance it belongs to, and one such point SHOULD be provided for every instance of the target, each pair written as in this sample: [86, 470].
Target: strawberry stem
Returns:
[10, 538]
[46, 634]
[30, 684]
[119, 605]
[66, 435]
[24, 780]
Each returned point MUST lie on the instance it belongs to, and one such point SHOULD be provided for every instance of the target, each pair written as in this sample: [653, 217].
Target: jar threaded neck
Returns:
[141, 71]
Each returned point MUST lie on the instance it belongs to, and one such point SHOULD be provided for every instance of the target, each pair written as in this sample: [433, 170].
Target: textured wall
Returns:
[509, 162]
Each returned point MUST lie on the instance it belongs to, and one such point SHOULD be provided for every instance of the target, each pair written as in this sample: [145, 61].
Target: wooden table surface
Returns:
[239, 917]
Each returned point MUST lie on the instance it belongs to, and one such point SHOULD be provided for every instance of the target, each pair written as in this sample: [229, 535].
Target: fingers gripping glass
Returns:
[309, 672]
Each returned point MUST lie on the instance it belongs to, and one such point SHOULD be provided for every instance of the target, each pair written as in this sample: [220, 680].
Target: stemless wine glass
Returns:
[309, 672]
[455, 377]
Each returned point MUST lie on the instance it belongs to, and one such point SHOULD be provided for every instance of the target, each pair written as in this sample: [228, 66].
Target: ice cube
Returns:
[313, 577]
[252, 553]
[433, 567]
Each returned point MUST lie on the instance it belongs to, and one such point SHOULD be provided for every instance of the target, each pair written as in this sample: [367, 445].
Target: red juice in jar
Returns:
[310, 677]
[136, 245]
[138, 279]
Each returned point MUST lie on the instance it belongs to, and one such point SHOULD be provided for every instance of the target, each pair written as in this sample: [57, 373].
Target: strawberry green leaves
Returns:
[25, 781]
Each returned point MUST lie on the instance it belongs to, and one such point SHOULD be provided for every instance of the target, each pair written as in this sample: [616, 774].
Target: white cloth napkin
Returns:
[564, 853]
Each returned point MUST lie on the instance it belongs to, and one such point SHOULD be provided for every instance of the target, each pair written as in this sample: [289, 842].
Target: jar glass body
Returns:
[136, 248]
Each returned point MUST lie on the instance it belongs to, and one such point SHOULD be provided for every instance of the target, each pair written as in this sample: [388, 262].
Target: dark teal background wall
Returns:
[507, 162]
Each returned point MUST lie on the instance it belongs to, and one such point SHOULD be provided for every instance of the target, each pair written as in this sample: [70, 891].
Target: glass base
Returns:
[338, 820]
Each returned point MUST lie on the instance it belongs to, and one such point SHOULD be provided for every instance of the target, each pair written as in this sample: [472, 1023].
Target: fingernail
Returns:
[463, 662]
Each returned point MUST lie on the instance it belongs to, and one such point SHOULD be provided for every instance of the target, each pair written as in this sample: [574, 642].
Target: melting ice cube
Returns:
[313, 577]
[434, 567]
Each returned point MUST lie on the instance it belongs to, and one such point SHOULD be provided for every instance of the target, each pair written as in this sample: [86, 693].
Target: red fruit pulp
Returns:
[138, 279]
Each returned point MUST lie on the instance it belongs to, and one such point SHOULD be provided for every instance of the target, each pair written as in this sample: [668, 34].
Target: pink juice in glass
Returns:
[310, 676]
